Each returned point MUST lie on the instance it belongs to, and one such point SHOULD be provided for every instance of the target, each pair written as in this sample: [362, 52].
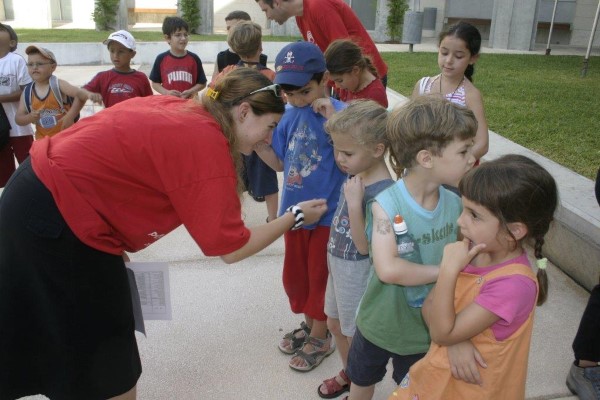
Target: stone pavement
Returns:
[227, 320]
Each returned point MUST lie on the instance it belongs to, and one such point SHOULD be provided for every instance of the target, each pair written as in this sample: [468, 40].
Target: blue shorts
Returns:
[367, 362]
[259, 178]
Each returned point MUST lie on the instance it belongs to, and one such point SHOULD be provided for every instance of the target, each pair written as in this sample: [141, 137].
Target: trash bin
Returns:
[412, 28]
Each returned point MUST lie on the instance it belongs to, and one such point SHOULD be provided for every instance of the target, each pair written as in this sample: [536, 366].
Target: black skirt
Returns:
[66, 320]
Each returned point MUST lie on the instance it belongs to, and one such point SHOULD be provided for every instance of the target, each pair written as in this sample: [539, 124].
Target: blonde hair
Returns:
[364, 120]
[426, 123]
[245, 39]
[230, 91]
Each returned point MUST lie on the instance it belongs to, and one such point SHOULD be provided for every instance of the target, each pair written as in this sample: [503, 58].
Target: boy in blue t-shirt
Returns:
[303, 150]
[431, 143]
[177, 72]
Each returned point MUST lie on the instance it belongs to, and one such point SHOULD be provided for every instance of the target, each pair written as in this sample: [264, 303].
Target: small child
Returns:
[177, 72]
[303, 150]
[50, 103]
[486, 290]
[260, 180]
[359, 139]
[14, 77]
[353, 73]
[229, 57]
[430, 145]
[122, 82]
[458, 51]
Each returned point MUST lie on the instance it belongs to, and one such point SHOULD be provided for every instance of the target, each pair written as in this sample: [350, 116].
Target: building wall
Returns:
[585, 11]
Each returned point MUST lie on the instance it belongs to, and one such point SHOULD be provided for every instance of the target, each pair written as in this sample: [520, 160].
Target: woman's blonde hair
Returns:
[232, 90]
[364, 120]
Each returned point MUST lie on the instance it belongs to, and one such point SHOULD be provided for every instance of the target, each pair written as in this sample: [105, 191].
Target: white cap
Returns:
[123, 37]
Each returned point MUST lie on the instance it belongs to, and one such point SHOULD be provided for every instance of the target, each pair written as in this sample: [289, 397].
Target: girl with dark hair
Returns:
[486, 291]
[457, 54]
[353, 73]
[116, 182]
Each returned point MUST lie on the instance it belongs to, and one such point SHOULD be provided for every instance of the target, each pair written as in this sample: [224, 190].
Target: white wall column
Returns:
[513, 24]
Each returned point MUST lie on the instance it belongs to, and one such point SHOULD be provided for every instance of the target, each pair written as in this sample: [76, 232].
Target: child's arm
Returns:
[93, 96]
[267, 154]
[22, 117]
[13, 96]
[324, 107]
[474, 103]
[389, 266]
[160, 89]
[354, 192]
[464, 358]
[189, 93]
[80, 96]
[445, 326]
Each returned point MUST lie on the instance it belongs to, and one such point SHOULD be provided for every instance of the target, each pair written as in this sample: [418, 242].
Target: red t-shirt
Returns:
[126, 176]
[374, 91]
[178, 73]
[117, 86]
[324, 21]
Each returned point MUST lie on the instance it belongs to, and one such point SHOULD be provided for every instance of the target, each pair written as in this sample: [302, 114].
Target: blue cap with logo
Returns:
[297, 62]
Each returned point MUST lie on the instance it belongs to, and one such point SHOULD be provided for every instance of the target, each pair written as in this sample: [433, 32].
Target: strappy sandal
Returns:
[314, 358]
[291, 343]
[334, 389]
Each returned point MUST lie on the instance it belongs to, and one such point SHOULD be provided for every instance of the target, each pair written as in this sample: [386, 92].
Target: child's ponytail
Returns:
[542, 276]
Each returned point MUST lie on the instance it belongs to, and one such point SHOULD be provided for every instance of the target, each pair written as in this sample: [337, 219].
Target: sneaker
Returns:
[584, 382]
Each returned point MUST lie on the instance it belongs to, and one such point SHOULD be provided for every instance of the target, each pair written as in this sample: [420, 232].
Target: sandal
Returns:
[334, 389]
[291, 342]
[314, 358]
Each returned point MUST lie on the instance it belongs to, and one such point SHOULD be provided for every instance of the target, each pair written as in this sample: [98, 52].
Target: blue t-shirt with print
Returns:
[309, 168]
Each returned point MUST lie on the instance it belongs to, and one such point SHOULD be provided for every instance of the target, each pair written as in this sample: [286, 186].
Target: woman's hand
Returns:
[313, 210]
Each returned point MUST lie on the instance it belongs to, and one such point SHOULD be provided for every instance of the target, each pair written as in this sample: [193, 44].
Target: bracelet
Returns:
[298, 217]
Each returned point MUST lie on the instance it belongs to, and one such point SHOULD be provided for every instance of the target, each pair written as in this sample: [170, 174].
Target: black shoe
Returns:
[259, 199]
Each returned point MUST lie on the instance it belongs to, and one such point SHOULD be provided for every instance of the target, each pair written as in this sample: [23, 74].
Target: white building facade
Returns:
[508, 24]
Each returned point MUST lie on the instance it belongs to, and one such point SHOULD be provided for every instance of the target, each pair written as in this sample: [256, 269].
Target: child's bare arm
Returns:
[13, 96]
[389, 266]
[445, 326]
[474, 103]
[189, 93]
[22, 117]
[158, 87]
[354, 192]
[324, 107]
[267, 154]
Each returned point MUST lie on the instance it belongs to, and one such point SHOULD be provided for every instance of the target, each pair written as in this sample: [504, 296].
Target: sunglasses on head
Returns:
[275, 89]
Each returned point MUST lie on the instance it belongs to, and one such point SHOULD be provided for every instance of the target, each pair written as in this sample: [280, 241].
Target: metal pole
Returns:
[551, 28]
[589, 48]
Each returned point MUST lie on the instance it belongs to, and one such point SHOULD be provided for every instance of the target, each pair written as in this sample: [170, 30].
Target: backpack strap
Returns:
[27, 96]
[55, 87]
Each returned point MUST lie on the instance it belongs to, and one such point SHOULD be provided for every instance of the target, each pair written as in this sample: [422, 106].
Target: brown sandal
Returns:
[334, 389]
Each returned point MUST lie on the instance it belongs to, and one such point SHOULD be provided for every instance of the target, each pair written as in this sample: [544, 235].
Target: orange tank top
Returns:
[504, 379]
[49, 123]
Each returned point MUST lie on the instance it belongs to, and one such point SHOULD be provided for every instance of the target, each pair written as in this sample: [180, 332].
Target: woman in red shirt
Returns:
[116, 182]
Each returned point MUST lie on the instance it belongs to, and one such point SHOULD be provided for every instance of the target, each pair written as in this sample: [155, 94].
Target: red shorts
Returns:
[305, 271]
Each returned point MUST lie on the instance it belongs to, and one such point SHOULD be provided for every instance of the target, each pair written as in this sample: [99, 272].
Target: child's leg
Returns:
[366, 366]
[272, 203]
[320, 344]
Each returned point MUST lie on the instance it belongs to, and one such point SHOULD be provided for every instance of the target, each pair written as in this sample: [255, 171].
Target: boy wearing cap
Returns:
[14, 77]
[45, 101]
[303, 150]
[177, 72]
[121, 82]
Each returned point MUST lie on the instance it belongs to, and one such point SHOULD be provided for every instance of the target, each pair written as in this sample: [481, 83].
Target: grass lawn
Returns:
[540, 102]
